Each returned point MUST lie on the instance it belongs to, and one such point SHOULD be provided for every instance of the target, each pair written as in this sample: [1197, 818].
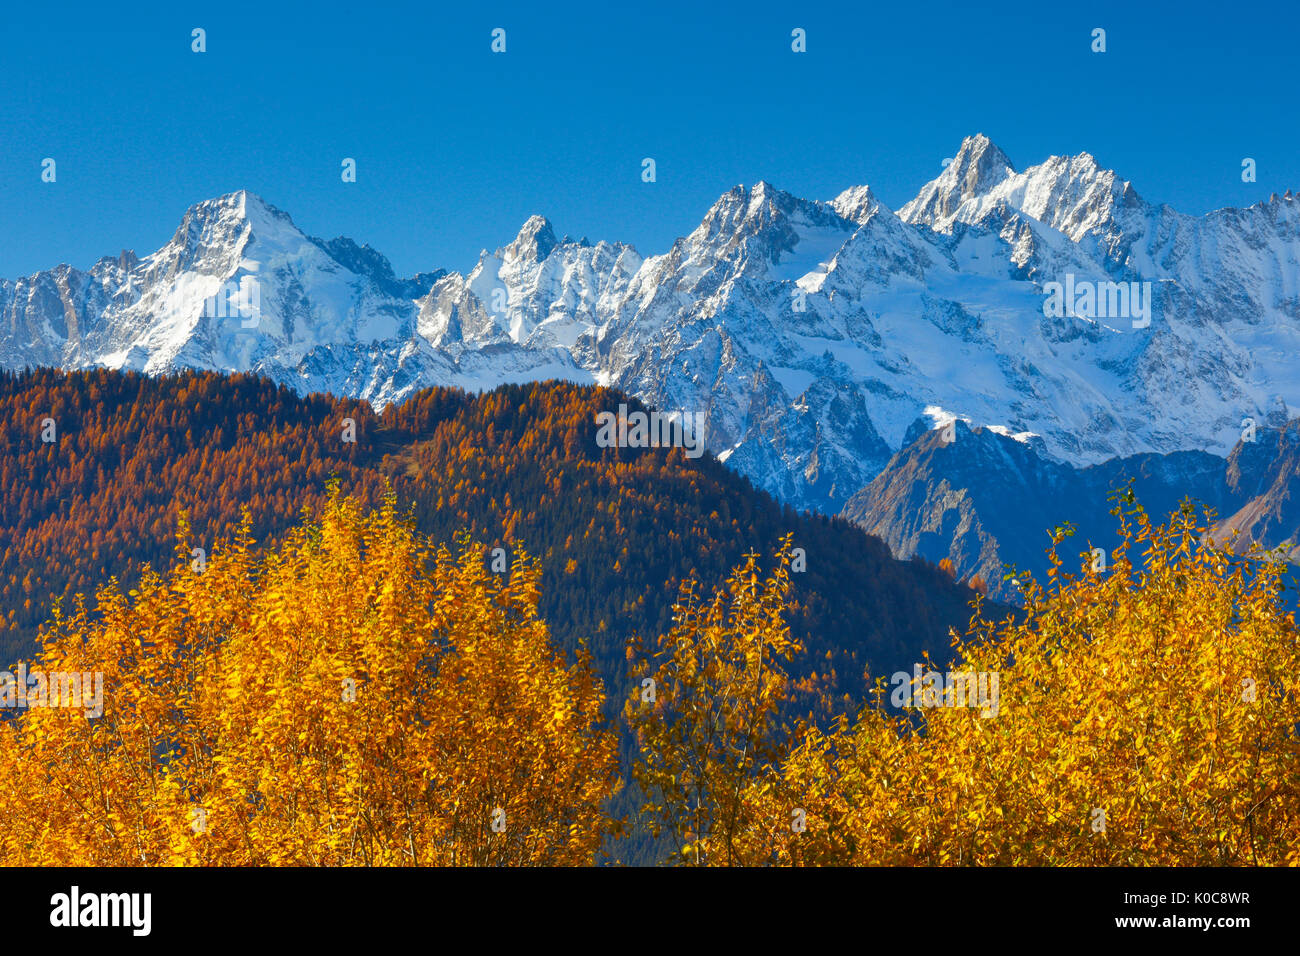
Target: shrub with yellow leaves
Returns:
[706, 710]
[1149, 714]
[349, 698]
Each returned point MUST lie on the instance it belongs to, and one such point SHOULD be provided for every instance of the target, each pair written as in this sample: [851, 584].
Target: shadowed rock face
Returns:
[985, 500]
[1264, 476]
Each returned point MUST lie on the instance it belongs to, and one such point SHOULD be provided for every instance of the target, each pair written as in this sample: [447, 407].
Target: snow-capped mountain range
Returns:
[813, 334]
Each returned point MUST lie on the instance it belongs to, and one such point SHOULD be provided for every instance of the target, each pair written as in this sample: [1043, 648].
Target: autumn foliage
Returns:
[1149, 714]
[614, 529]
[355, 695]
[707, 710]
[348, 697]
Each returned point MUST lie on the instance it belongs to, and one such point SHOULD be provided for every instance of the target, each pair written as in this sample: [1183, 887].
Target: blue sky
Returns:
[457, 146]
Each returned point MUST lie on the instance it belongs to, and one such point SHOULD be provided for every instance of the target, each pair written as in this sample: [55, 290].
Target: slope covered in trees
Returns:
[360, 695]
[614, 530]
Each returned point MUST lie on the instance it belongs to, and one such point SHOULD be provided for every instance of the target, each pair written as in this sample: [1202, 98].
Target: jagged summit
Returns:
[857, 203]
[535, 241]
[751, 207]
[214, 233]
[764, 228]
[975, 171]
[1072, 195]
[239, 205]
[980, 164]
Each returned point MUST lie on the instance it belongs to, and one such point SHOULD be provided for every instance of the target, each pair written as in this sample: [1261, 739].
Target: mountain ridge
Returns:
[984, 502]
[812, 334]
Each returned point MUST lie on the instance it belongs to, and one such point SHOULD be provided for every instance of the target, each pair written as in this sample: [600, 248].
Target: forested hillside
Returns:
[615, 530]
